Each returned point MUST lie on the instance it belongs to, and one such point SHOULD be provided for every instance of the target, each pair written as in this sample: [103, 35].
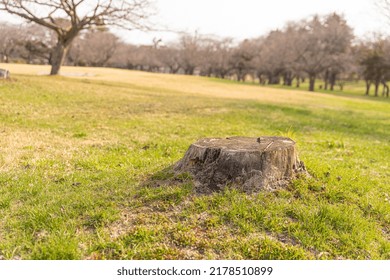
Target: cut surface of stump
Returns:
[250, 164]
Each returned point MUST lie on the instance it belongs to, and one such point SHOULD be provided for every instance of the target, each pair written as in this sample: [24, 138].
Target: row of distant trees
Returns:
[317, 48]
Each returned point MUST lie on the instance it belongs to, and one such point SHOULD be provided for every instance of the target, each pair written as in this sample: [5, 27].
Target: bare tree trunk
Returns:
[368, 85]
[287, 79]
[58, 57]
[376, 88]
[326, 79]
[385, 92]
[261, 79]
[238, 77]
[241, 76]
[209, 72]
[189, 70]
[333, 78]
[298, 81]
[274, 79]
[312, 81]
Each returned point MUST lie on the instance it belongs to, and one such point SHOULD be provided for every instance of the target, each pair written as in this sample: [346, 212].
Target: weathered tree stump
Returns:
[4, 74]
[250, 164]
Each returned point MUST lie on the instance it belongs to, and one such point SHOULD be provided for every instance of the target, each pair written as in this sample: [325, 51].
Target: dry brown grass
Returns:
[186, 84]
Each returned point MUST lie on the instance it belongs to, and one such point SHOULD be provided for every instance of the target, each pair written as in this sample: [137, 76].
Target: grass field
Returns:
[85, 169]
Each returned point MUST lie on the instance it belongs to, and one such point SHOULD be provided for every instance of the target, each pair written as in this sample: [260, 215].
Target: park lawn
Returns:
[85, 169]
[350, 88]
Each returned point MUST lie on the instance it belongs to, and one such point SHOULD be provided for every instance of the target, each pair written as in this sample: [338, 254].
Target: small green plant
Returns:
[80, 135]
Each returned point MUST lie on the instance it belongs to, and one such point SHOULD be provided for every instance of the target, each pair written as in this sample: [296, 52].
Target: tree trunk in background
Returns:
[298, 81]
[238, 76]
[368, 85]
[287, 78]
[376, 88]
[241, 75]
[274, 80]
[326, 79]
[262, 81]
[385, 92]
[333, 78]
[312, 81]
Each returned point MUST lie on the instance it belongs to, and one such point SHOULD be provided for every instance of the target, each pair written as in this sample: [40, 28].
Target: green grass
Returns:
[350, 89]
[85, 171]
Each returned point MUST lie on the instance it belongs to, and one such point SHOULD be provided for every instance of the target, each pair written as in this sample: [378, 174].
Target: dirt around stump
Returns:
[250, 164]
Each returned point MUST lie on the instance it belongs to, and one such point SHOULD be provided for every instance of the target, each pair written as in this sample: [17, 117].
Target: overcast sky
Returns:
[251, 18]
[242, 19]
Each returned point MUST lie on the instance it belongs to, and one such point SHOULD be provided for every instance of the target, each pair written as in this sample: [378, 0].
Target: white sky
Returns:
[242, 19]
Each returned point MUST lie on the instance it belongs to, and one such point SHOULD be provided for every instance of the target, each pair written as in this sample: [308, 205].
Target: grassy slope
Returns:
[84, 170]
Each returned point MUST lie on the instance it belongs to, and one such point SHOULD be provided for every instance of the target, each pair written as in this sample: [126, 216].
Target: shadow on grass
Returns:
[164, 190]
[167, 177]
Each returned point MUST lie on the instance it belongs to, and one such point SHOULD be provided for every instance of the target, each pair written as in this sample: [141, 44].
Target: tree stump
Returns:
[250, 164]
[4, 74]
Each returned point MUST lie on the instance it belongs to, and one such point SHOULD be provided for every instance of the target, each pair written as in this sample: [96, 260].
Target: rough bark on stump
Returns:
[250, 164]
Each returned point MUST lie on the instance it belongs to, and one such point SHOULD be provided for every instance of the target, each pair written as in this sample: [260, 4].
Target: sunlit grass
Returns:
[85, 170]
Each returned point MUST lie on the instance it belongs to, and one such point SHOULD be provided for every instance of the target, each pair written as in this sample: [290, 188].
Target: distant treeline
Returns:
[311, 49]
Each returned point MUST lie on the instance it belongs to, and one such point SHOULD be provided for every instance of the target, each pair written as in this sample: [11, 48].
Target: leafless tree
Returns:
[169, 56]
[120, 57]
[384, 6]
[375, 65]
[93, 48]
[68, 17]
[10, 38]
[242, 59]
[133, 57]
[148, 58]
[340, 70]
[189, 51]
[220, 53]
[273, 58]
[324, 40]
[28, 43]
[37, 42]
[214, 55]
